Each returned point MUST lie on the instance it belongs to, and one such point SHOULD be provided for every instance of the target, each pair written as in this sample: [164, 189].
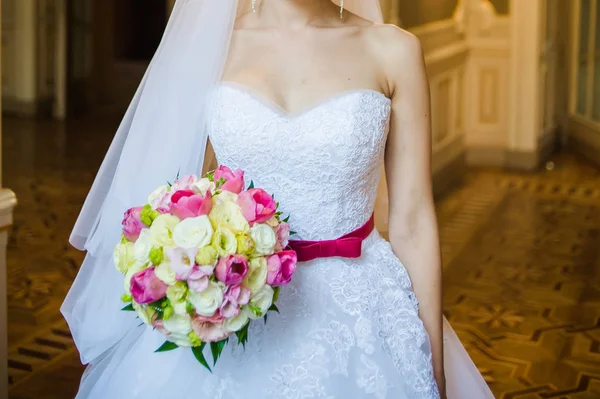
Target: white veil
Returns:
[163, 132]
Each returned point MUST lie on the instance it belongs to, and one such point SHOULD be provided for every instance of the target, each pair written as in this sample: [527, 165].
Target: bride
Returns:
[309, 98]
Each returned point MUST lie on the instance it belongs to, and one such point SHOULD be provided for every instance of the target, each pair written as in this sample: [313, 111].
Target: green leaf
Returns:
[211, 176]
[251, 186]
[214, 349]
[276, 291]
[292, 233]
[217, 348]
[197, 350]
[274, 308]
[242, 335]
[129, 308]
[287, 219]
[178, 172]
[166, 347]
[265, 318]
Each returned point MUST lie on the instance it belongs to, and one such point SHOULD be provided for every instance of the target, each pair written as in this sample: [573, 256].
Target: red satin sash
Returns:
[347, 246]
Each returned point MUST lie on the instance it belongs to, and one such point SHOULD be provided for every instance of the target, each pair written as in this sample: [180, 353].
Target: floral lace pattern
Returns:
[344, 137]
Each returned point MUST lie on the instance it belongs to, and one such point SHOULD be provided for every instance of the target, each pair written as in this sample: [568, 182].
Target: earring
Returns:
[341, 9]
[253, 5]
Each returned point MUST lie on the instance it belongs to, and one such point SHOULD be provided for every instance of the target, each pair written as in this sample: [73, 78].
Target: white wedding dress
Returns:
[348, 328]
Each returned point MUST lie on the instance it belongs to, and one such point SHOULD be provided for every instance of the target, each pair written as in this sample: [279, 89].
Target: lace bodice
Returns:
[322, 163]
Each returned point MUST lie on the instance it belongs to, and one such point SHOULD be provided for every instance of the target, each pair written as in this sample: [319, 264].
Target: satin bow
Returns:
[347, 246]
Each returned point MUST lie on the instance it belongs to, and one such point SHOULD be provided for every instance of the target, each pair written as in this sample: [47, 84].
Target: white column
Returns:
[524, 111]
[391, 13]
[60, 69]
[25, 84]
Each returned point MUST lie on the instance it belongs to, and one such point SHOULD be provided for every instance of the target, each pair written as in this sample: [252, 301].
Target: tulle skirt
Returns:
[348, 328]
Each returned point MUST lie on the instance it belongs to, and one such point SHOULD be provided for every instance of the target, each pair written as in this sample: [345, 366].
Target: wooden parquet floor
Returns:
[521, 256]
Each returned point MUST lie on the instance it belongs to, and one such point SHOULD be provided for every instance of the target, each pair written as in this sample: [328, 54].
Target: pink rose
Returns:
[257, 206]
[216, 318]
[234, 297]
[283, 234]
[199, 278]
[234, 180]
[232, 269]
[146, 287]
[132, 224]
[281, 267]
[185, 204]
[209, 332]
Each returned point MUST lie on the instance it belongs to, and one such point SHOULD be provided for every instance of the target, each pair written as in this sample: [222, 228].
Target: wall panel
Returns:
[415, 13]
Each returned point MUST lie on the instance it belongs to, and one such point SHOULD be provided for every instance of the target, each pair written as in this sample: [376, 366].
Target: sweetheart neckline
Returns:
[282, 112]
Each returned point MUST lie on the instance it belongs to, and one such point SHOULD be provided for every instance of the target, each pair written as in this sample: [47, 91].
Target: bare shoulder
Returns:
[397, 51]
[393, 44]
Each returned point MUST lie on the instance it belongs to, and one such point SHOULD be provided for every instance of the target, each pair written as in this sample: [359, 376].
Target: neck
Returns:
[297, 13]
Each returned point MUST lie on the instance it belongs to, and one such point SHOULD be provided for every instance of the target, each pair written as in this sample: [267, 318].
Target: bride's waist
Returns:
[324, 228]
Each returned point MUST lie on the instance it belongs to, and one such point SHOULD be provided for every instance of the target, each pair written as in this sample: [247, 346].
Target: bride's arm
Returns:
[413, 228]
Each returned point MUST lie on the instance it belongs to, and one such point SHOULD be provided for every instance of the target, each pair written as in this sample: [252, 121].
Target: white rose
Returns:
[146, 313]
[257, 275]
[225, 196]
[262, 300]
[203, 186]
[264, 239]
[178, 325]
[209, 300]
[183, 341]
[142, 247]
[179, 328]
[224, 241]
[179, 308]
[229, 214]
[158, 197]
[193, 232]
[123, 257]
[161, 230]
[238, 322]
[165, 273]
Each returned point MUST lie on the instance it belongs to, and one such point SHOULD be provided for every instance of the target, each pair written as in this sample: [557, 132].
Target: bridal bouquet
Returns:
[203, 258]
